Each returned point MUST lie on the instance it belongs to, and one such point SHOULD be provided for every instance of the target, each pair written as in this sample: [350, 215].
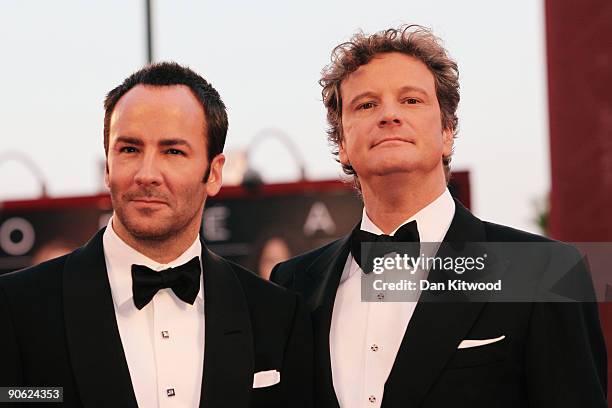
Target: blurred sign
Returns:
[256, 227]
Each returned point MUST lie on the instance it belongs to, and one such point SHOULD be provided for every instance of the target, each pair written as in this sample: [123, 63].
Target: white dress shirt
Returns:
[164, 341]
[365, 337]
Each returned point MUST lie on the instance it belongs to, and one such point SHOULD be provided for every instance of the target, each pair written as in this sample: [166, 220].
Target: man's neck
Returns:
[392, 199]
[162, 251]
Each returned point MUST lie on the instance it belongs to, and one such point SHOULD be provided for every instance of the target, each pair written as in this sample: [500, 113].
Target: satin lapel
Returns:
[434, 331]
[227, 380]
[94, 344]
[318, 286]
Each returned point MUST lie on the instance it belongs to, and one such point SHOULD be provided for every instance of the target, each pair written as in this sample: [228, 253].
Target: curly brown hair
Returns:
[413, 40]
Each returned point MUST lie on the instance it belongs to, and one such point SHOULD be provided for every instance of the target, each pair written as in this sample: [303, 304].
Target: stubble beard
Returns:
[158, 230]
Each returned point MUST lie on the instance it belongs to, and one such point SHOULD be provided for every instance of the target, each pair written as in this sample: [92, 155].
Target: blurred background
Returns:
[535, 113]
[534, 149]
[265, 58]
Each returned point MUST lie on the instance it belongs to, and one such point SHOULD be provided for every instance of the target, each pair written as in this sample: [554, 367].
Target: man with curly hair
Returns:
[391, 101]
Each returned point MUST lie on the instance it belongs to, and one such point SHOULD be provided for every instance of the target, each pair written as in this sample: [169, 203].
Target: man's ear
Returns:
[448, 141]
[215, 176]
[106, 175]
[342, 154]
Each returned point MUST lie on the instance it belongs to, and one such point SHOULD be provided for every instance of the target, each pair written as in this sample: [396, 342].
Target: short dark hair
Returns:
[413, 40]
[171, 73]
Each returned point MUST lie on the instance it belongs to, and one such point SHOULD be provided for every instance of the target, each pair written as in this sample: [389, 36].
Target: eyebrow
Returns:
[413, 88]
[361, 95]
[129, 140]
[164, 142]
[174, 142]
[406, 88]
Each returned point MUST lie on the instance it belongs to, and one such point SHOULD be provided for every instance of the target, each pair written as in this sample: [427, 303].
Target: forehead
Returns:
[388, 71]
[171, 104]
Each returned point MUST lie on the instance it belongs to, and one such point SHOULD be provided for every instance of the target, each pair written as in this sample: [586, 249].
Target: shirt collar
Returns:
[433, 220]
[119, 258]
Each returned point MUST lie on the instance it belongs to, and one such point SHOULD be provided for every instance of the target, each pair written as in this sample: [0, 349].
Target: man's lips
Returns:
[392, 139]
[147, 201]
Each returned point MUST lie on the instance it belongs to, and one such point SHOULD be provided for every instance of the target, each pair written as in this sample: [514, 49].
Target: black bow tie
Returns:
[406, 233]
[184, 280]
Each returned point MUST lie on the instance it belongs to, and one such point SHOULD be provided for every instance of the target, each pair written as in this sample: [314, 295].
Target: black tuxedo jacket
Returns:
[553, 354]
[59, 329]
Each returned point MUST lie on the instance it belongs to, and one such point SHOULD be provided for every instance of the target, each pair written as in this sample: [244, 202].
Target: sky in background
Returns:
[60, 58]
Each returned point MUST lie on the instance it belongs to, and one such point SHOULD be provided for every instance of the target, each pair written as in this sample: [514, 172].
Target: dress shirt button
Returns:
[165, 334]
[170, 392]
[374, 347]
[372, 399]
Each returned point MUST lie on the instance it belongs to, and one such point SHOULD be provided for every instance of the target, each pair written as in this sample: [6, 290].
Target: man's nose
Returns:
[148, 173]
[389, 115]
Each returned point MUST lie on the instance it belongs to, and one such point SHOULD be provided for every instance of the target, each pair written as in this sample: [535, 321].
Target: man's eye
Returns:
[411, 101]
[366, 105]
[174, 152]
[128, 149]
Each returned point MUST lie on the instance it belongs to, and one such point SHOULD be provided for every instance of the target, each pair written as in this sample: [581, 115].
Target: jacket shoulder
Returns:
[34, 275]
[309, 257]
[504, 233]
[283, 272]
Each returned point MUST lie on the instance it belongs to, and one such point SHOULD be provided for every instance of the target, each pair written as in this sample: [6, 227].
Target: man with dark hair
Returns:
[391, 102]
[144, 314]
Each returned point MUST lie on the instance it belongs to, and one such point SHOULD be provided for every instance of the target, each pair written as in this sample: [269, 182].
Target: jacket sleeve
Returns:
[566, 361]
[298, 362]
[10, 361]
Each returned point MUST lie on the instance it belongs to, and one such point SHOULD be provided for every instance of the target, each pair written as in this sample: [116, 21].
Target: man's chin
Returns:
[150, 233]
[391, 169]
[400, 166]
[148, 228]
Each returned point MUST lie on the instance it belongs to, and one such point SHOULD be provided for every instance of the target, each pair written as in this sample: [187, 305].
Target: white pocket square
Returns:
[477, 343]
[266, 378]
